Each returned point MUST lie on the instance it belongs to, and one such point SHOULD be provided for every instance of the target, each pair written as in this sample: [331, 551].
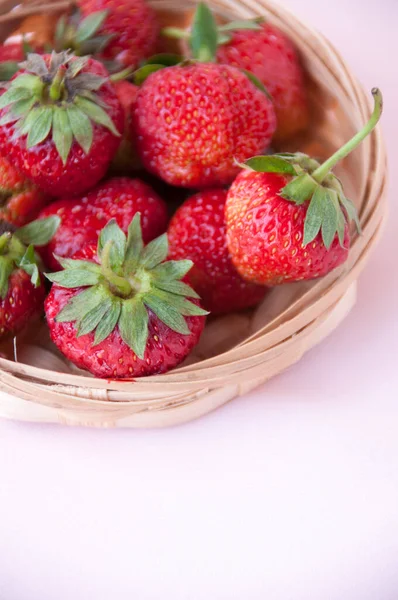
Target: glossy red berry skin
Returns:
[272, 58]
[42, 163]
[21, 201]
[11, 52]
[192, 121]
[22, 302]
[265, 233]
[198, 232]
[82, 218]
[134, 27]
[112, 358]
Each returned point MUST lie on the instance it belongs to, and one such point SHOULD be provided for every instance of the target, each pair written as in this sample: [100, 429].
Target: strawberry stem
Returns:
[176, 33]
[118, 284]
[321, 172]
[57, 84]
[121, 75]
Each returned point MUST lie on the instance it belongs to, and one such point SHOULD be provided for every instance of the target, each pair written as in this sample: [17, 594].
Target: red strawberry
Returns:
[129, 29]
[272, 58]
[22, 291]
[12, 52]
[197, 232]
[53, 122]
[190, 122]
[263, 50]
[83, 218]
[287, 217]
[133, 317]
[21, 201]
[126, 158]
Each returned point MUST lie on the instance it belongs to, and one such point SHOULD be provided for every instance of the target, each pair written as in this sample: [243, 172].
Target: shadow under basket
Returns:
[241, 351]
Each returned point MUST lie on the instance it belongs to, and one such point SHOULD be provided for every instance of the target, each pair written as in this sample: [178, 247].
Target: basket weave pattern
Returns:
[237, 352]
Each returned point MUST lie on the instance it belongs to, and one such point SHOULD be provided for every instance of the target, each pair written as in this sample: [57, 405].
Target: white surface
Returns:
[290, 493]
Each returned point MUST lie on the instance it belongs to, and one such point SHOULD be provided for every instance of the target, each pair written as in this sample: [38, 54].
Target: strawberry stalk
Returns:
[321, 172]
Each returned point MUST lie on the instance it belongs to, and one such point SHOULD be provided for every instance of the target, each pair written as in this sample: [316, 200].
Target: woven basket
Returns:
[237, 352]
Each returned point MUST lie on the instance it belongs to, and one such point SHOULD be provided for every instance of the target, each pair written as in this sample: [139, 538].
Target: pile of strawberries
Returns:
[103, 134]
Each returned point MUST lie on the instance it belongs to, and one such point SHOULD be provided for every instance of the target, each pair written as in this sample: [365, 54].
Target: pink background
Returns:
[290, 493]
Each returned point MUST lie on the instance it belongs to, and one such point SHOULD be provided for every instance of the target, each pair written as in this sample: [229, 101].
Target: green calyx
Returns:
[152, 64]
[82, 36]
[205, 35]
[57, 99]
[329, 210]
[17, 249]
[129, 280]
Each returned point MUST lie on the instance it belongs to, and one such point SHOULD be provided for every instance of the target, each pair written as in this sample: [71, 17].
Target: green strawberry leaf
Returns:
[62, 133]
[93, 317]
[140, 75]
[81, 127]
[71, 263]
[112, 233]
[96, 114]
[35, 64]
[176, 287]
[351, 211]
[28, 263]
[60, 31]
[108, 323]
[253, 24]
[135, 244]
[155, 252]
[169, 315]
[39, 232]
[74, 278]
[14, 94]
[329, 221]
[133, 325]
[41, 126]
[269, 164]
[90, 25]
[165, 59]
[6, 268]
[314, 217]
[257, 83]
[185, 307]
[172, 269]
[76, 66]
[204, 34]
[83, 302]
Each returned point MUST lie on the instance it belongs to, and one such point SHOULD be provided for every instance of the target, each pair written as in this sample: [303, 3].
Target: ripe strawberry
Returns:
[21, 288]
[82, 218]
[53, 123]
[272, 58]
[125, 313]
[261, 49]
[198, 232]
[120, 33]
[126, 158]
[190, 119]
[20, 200]
[287, 217]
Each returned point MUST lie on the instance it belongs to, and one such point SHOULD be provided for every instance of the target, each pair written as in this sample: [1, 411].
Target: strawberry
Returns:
[287, 215]
[12, 52]
[198, 232]
[125, 312]
[267, 53]
[59, 122]
[192, 120]
[126, 158]
[121, 33]
[21, 201]
[82, 218]
[22, 291]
